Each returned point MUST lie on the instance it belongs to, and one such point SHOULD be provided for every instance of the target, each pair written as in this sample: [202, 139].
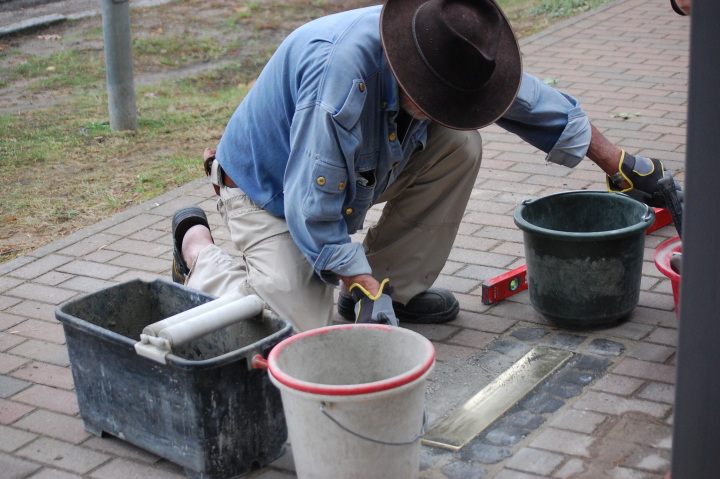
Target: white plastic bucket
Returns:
[354, 400]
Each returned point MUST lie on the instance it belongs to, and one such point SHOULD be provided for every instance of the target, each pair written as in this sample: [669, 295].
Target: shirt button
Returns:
[361, 86]
[348, 211]
[321, 180]
[392, 137]
[383, 105]
[341, 186]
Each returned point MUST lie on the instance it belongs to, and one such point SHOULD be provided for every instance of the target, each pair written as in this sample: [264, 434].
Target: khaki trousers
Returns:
[410, 243]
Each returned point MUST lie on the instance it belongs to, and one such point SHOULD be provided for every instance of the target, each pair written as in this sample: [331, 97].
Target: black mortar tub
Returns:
[205, 409]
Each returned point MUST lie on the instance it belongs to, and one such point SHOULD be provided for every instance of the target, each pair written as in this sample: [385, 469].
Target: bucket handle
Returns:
[377, 441]
[649, 213]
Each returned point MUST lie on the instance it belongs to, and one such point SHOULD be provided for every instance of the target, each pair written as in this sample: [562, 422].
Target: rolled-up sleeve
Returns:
[550, 120]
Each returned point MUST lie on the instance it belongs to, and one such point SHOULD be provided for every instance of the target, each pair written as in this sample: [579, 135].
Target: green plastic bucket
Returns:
[584, 255]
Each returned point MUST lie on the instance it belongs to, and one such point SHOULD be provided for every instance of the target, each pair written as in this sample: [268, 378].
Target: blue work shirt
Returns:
[315, 140]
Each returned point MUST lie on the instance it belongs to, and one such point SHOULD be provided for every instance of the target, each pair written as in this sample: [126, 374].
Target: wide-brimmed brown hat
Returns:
[457, 60]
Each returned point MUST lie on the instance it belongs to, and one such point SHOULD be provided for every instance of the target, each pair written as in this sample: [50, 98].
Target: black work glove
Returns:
[376, 309]
[642, 174]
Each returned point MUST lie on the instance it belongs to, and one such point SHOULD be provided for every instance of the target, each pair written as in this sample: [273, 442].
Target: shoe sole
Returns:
[180, 225]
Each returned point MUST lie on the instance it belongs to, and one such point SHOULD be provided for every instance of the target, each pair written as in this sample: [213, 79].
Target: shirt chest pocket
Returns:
[325, 196]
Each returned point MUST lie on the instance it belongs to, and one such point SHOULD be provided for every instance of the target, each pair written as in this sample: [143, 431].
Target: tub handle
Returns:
[259, 362]
[378, 441]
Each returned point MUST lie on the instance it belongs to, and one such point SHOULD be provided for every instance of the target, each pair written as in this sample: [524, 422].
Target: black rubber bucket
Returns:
[584, 255]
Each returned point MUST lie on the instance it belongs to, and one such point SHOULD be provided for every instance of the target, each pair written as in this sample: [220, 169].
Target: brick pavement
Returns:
[605, 413]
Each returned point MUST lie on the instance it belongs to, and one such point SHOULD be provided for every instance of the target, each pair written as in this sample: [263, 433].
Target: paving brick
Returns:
[60, 454]
[649, 459]
[122, 469]
[47, 374]
[535, 461]
[10, 386]
[473, 338]
[92, 269]
[45, 397]
[15, 468]
[135, 224]
[12, 438]
[34, 309]
[10, 362]
[524, 419]
[564, 442]
[133, 246]
[141, 263]
[47, 473]
[119, 448]
[605, 347]
[566, 341]
[11, 411]
[483, 322]
[41, 292]
[561, 389]
[651, 352]
[573, 468]
[89, 245]
[579, 421]
[9, 341]
[41, 266]
[7, 283]
[7, 320]
[102, 256]
[85, 284]
[444, 352]
[617, 405]
[56, 425]
[508, 474]
[629, 330]
[149, 234]
[53, 278]
[658, 392]
[464, 470]
[530, 334]
[514, 349]
[646, 370]
[43, 330]
[42, 351]
[663, 336]
[486, 453]
[505, 435]
[542, 403]
[591, 363]
[616, 384]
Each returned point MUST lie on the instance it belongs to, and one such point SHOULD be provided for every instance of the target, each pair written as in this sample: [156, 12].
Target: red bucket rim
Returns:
[662, 256]
[348, 389]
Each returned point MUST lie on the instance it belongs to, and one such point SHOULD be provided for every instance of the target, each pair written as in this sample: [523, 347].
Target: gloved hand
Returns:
[376, 309]
[642, 174]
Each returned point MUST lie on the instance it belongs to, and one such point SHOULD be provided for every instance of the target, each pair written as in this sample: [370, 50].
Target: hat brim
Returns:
[443, 104]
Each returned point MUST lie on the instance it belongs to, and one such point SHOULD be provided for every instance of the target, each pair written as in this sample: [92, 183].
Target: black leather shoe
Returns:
[436, 305]
[182, 221]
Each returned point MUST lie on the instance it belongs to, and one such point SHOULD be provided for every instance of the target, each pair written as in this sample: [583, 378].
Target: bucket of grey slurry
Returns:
[584, 255]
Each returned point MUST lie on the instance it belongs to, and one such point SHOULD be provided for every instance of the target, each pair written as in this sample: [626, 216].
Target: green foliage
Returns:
[565, 8]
